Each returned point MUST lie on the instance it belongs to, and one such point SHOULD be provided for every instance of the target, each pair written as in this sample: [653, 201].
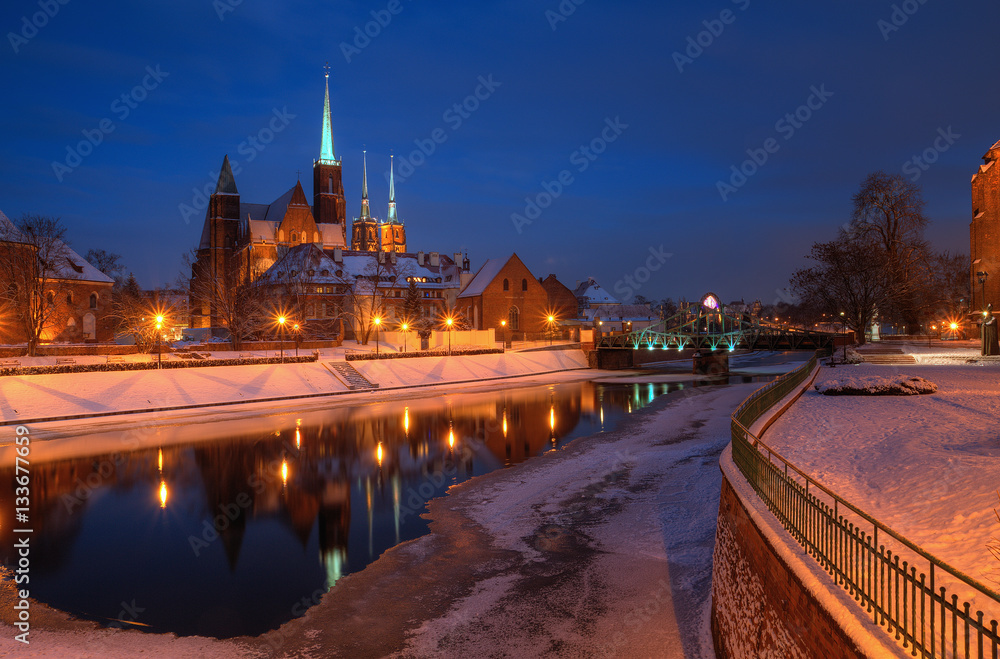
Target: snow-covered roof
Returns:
[309, 257]
[74, 266]
[590, 292]
[8, 231]
[483, 277]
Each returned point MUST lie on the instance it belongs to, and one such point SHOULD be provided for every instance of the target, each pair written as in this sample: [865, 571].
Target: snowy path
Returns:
[601, 549]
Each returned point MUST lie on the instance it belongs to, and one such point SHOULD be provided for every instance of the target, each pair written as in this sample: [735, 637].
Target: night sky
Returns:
[885, 81]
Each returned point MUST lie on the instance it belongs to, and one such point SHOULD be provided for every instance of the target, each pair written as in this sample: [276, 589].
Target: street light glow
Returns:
[281, 320]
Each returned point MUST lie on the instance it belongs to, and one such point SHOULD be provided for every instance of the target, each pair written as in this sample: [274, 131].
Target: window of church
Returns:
[506, 285]
[69, 297]
[524, 284]
[513, 318]
[312, 273]
[294, 236]
[93, 300]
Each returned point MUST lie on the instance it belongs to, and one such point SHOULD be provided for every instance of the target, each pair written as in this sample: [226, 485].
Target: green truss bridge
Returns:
[702, 328]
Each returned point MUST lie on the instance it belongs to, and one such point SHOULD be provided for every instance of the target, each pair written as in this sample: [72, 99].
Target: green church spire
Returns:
[392, 219]
[365, 212]
[327, 154]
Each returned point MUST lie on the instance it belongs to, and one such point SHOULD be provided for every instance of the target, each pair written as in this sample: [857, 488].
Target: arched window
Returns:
[524, 284]
[506, 285]
[50, 297]
[69, 297]
[513, 317]
[93, 300]
[294, 236]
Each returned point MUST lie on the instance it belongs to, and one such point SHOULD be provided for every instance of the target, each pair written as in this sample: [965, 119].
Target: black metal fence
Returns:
[925, 603]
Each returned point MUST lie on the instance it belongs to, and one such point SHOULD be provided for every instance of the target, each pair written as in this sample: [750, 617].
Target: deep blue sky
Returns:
[656, 185]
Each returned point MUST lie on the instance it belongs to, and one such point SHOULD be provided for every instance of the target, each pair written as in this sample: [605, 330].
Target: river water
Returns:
[238, 533]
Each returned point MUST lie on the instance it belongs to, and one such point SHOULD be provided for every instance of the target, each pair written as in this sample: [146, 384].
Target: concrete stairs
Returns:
[349, 375]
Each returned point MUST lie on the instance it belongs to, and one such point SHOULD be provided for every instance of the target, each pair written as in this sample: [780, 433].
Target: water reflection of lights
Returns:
[652, 393]
[552, 418]
[334, 561]
[163, 494]
[284, 473]
[406, 420]
[505, 422]
[298, 438]
[378, 454]
[451, 437]
[159, 460]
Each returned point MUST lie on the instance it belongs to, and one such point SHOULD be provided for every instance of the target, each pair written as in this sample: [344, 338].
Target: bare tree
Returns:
[34, 256]
[368, 290]
[852, 275]
[888, 211]
[237, 297]
[132, 315]
[109, 263]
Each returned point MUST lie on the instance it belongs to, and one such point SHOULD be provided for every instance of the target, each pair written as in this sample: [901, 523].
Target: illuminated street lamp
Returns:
[983, 275]
[449, 321]
[281, 334]
[377, 320]
[296, 328]
[843, 327]
[404, 327]
[503, 336]
[159, 340]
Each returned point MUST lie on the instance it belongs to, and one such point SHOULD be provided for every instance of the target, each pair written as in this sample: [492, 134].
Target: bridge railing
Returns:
[924, 602]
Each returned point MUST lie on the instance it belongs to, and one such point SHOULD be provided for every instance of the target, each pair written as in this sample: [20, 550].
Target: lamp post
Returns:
[296, 328]
[982, 275]
[159, 340]
[404, 327]
[449, 321]
[281, 334]
[377, 321]
[551, 320]
[503, 333]
[843, 327]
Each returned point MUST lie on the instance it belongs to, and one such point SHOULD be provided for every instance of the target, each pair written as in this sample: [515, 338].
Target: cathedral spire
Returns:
[365, 212]
[226, 183]
[392, 219]
[327, 153]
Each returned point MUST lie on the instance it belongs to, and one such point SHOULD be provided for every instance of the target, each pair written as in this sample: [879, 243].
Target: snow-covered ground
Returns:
[25, 397]
[926, 466]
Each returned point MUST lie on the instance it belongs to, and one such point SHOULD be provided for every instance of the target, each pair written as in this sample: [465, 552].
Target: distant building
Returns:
[79, 294]
[242, 241]
[984, 233]
[590, 295]
[562, 302]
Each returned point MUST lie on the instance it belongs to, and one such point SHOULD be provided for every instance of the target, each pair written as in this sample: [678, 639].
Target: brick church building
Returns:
[984, 233]
[243, 241]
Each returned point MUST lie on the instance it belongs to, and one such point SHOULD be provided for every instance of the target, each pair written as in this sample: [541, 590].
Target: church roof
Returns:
[8, 232]
[308, 256]
[590, 292]
[273, 212]
[484, 277]
[76, 267]
[298, 196]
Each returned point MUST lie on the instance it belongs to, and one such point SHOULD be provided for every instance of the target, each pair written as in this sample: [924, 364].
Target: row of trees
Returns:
[880, 266]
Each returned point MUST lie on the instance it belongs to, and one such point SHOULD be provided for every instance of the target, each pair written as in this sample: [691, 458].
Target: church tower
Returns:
[216, 260]
[329, 206]
[364, 232]
[393, 233]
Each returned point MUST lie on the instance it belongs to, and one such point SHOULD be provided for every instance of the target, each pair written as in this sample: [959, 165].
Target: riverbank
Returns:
[33, 399]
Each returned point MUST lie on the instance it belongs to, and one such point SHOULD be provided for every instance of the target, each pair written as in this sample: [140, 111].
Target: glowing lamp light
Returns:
[404, 327]
[163, 494]
[377, 320]
[281, 320]
[284, 472]
[159, 461]
[954, 326]
[378, 454]
[552, 318]
[451, 438]
[449, 321]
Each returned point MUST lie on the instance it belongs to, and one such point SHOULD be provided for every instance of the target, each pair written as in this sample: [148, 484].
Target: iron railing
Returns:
[909, 592]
